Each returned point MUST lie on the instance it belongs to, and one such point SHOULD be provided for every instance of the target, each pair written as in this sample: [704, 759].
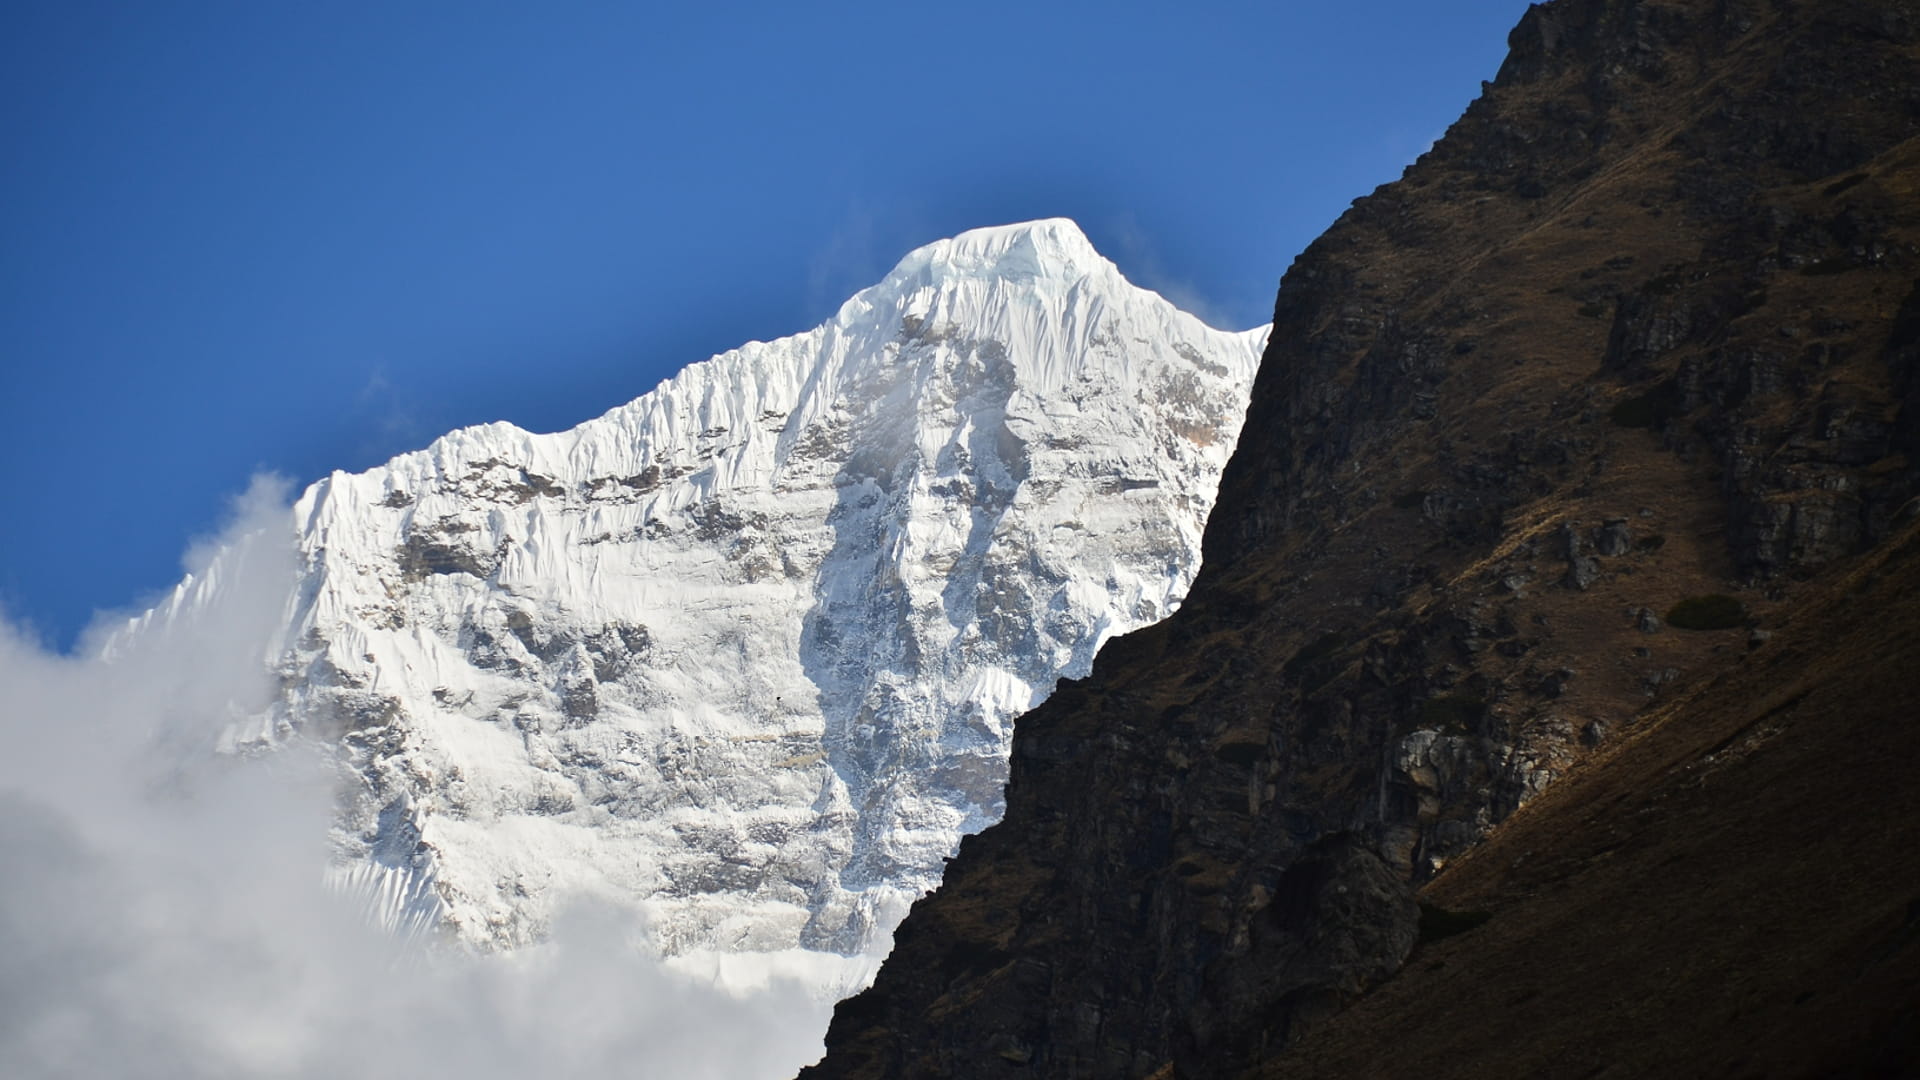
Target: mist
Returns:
[164, 912]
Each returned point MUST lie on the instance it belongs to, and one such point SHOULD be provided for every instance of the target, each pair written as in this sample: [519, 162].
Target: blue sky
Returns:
[269, 235]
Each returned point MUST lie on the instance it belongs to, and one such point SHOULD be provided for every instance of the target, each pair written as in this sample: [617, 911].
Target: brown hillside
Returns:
[1730, 892]
[1632, 349]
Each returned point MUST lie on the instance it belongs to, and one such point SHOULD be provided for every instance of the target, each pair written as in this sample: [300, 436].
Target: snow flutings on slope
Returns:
[719, 677]
[661, 721]
[747, 650]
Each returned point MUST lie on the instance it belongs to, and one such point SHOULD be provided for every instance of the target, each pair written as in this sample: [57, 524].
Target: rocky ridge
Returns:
[1551, 434]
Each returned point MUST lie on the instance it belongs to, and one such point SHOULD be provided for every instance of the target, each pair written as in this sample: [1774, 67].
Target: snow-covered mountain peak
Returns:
[746, 650]
[1053, 249]
[1030, 259]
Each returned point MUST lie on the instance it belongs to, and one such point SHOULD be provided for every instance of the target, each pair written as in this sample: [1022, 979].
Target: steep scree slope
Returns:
[1549, 434]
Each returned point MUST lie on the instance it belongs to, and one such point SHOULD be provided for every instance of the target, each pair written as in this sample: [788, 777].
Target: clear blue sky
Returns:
[295, 236]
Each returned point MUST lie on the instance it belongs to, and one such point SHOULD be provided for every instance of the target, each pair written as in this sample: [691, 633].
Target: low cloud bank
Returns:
[162, 907]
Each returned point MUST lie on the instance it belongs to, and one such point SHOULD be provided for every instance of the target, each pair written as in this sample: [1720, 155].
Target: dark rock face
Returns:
[1625, 926]
[442, 550]
[1643, 326]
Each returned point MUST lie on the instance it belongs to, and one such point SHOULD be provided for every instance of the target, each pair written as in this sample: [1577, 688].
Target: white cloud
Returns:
[162, 912]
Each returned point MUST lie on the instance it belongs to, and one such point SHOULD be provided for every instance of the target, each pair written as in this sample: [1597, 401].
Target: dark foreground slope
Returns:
[1571, 454]
[1732, 891]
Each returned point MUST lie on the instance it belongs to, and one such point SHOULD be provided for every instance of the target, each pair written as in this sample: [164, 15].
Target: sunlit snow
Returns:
[730, 669]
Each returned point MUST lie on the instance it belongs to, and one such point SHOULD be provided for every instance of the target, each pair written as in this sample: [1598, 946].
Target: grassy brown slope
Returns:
[1735, 891]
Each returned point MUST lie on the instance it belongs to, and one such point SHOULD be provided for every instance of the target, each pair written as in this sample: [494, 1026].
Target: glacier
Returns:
[746, 651]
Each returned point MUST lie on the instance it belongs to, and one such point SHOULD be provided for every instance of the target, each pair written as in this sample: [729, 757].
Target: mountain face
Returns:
[1588, 447]
[747, 649]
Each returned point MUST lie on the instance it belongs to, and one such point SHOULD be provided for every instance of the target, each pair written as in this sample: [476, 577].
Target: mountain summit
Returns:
[746, 649]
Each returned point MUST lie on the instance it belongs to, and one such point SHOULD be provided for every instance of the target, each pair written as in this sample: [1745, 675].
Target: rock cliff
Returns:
[1557, 443]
